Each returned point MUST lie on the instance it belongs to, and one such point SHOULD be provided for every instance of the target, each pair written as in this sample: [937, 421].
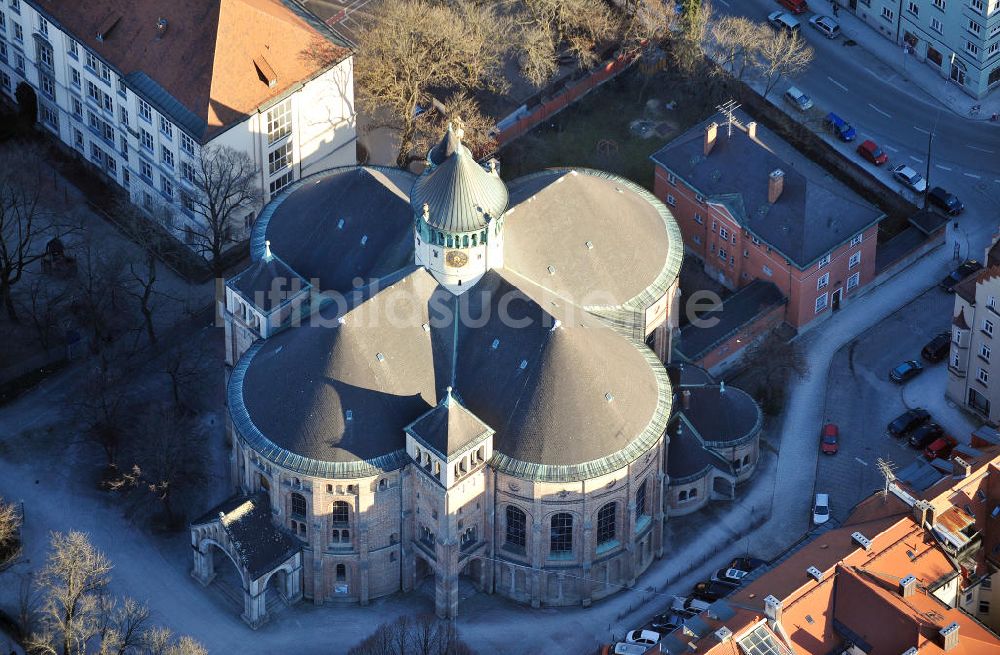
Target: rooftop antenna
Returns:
[885, 467]
[727, 109]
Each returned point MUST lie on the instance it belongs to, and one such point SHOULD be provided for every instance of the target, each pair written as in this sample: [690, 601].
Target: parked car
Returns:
[746, 564]
[941, 447]
[795, 6]
[621, 648]
[688, 606]
[908, 421]
[712, 590]
[946, 201]
[869, 150]
[781, 20]
[844, 130]
[667, 622]
[799, 100]
[967, 268]
[906, 371]
[910, 178]
[821, 509]
[730, 576]
[642, 637]
[829, 439]
[937, 348]
[924, 435]
[826, 26]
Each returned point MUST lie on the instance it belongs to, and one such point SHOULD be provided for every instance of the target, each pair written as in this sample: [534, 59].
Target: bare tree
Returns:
[687, 48]
[45, 305]
[463, 112]
[547, 28]
[738, 39]
[121, 625]
[780, 55]
[228, 185]
[102, 408]
[647, 24]
[421, 635]
[161, 641]
[73, 581]
[22, 219]
[10, 527]
[413, 46]
[98, 293]
[774, 363]
[184, 365]
[169, 465]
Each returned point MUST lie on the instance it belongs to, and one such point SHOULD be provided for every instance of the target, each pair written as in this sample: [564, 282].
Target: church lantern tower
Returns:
[458, 208]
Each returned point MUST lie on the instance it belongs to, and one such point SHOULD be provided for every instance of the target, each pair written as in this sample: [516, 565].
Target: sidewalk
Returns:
[906, 73]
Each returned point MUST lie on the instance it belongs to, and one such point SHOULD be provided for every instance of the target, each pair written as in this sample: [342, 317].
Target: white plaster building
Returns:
[960, 39]
[138, 88]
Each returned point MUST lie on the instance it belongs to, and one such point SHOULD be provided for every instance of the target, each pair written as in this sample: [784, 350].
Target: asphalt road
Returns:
[861, 400]
[854, 83]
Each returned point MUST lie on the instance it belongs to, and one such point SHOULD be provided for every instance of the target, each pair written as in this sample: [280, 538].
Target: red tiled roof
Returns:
[205, 56]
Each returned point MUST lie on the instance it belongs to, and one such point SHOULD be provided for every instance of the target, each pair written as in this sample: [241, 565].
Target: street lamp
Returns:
[930, 136]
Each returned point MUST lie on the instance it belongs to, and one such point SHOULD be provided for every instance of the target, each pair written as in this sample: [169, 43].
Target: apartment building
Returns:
[751, 207]
[960, 39]
[140, 88]
[906, 573]
[973, 381]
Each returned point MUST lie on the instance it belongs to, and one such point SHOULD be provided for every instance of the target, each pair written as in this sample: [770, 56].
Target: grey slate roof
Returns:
[635, 244]
[302, 225]
[542, 389]
[268, 283]
[687, 459]
[449, 428]
[815, 213]
[461, 195]
[259, 543]
[739, 309]
[722, 415]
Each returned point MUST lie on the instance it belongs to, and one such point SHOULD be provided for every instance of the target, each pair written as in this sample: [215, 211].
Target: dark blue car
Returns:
[844, 130]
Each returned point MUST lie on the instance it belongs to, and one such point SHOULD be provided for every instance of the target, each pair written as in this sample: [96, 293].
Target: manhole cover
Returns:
[850, 42]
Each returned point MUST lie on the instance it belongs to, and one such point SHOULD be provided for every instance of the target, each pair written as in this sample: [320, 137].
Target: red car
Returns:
[941, 448]
[829, 439]
[869, 150]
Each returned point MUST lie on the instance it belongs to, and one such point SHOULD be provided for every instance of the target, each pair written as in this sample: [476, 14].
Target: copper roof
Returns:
[199, 55]
[959, 321]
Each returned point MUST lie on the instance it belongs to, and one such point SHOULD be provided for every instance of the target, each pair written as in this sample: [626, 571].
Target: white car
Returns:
[826, 25]
[643, 637]
[821, 509]
[799, 100]
[729, 576]
[781, 20]
[688, 606]
[621, 648]
[910, 178]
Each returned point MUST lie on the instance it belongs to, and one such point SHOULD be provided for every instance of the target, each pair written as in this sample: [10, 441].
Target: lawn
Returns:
[614, 128]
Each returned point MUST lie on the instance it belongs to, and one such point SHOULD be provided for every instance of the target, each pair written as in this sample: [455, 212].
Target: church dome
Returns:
[460, 195]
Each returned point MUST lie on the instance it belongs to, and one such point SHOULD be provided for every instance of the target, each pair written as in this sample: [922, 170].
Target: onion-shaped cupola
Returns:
[458, 208]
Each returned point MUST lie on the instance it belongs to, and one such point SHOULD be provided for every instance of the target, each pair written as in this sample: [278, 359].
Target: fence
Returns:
[560, 95]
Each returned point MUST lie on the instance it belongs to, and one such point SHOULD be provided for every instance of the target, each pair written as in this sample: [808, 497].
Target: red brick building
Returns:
[751, 207]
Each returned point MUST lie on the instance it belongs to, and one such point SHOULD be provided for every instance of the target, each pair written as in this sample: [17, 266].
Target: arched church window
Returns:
[640, 500]
[298, 504]
[449, 241]
[517, 524]
[382, 484]
[561, 533]
[474, 238]
[606, 523]
[682, 496]
[693, 494]
[465, 241]
[264, 483]
[482, 237]
[341, 573]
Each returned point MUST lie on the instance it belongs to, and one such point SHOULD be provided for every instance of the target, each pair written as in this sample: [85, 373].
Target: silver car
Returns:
[910, 178]
[797, 99]
[826, 25]
[821, 509]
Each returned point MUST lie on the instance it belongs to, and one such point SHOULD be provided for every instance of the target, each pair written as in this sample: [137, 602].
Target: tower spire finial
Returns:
[267, 251]
[427, 211]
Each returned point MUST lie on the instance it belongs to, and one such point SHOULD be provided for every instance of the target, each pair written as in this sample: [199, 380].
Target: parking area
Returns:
[862, 400]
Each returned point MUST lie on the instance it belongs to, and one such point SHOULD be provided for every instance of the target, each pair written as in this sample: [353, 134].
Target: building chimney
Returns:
[752, 129]
[772, 608]
[724, 635]
[775, 185]
[960, 468]
[907, 586]
[686, 399]
[711, 133]
[949, 636]
[861, 540]
[923, 512]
